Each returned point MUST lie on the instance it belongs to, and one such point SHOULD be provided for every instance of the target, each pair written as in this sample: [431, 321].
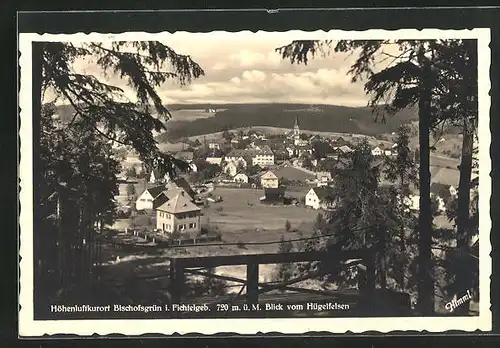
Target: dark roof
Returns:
[305, 147]
[237, 153]
[182, 183]
[158, 173]
[156, 191]
[266, 150]
[160, 199]
[323, 192]
[178, 204]
[342, 163]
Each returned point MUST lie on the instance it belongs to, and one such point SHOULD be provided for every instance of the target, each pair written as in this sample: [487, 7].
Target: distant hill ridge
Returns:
[325, 118]
[312, 117]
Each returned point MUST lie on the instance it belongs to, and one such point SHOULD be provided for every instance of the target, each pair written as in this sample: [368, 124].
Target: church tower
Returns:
[296, 131]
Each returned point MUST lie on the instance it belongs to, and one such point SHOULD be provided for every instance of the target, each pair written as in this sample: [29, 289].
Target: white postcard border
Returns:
[28, 327]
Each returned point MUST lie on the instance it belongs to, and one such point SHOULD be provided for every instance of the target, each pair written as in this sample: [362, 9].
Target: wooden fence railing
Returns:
[181, 266]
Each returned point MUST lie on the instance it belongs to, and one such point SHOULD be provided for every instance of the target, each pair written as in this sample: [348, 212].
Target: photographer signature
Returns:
[453, 304]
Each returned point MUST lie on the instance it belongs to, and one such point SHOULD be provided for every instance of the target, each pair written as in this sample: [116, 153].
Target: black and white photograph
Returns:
[308, 181]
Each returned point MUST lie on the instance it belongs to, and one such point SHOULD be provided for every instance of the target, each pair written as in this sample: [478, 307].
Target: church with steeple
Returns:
[296, 129]
[296, 134]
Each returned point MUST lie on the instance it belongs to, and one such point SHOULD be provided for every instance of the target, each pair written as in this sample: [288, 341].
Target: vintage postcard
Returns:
[247, 183]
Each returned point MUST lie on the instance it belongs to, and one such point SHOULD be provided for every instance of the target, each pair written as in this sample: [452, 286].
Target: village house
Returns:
[300, 142]
[336, 143]
[238, 156]
[187, 156]
[214, 145]
[214, 160]
[320, 198]
[323, 178]
[280, 155]
[148, 200]
[231, 168]
[157, 177]
[234, 154]
[377, 151]
[269, 180]
[303, 150]
[258, 144]
[344, 149]
[178, 214]
[413, 202]
[443, 190]
[241, 178]
[453, 191]
[181, 183]
[299, 150]
[264, 157]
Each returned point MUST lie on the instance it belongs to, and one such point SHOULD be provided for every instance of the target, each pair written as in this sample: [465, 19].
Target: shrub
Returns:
[175, 235]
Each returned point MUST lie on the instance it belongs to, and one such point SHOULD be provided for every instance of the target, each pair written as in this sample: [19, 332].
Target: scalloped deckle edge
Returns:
[28, 327]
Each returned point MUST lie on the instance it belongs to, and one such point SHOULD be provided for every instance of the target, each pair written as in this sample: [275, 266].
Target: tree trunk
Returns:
[382, 258]
[463, 280]
[425, 278]
[402, 235]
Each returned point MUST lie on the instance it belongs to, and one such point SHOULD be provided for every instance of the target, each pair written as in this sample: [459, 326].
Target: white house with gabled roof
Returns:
[179, 214]
[269, 180]
[241, 178]
[147, 199]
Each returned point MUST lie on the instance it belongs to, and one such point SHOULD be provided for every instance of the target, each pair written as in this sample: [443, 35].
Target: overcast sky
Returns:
[246, 71]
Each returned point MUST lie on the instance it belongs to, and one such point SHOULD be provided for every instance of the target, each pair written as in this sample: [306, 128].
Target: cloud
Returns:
[249, 59]
[323, 86]
[219, 66]
[240, 71]
[254, 76]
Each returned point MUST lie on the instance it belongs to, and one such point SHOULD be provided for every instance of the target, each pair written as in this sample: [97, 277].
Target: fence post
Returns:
[178, 279]
[253, 283]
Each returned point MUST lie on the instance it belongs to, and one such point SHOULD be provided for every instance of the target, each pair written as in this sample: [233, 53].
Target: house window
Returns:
[182, 227]
[192, 225]
[163, 227]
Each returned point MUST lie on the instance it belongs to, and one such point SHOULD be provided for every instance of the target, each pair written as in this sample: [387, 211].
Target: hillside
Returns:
[326, 118]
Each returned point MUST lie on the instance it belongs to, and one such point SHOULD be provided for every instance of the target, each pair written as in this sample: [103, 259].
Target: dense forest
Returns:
[326, 118]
